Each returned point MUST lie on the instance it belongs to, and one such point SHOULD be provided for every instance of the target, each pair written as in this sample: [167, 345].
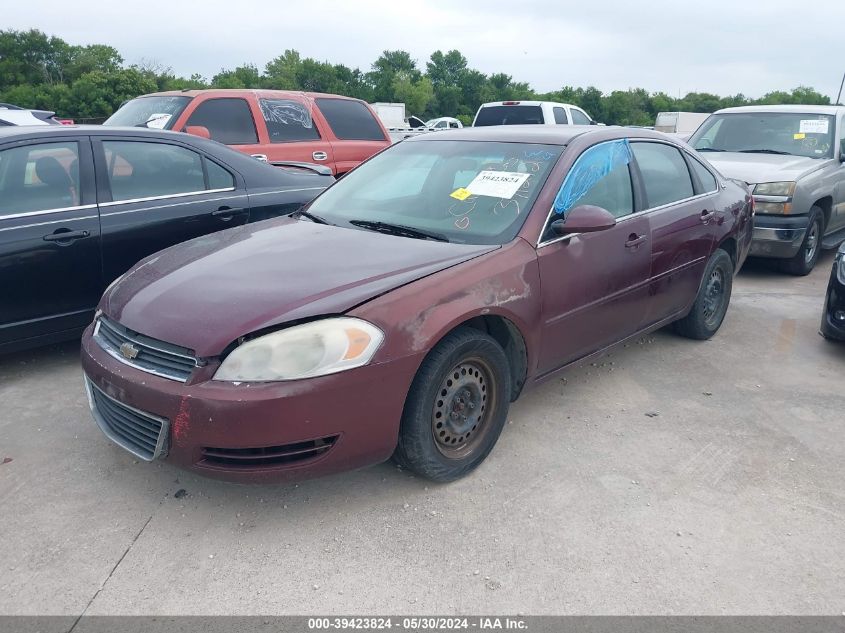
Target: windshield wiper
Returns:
[708, 149]
[764, 151]
[399, 229]
[301, 213]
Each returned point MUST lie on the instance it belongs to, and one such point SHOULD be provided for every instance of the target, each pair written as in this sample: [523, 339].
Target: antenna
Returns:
[838, 102]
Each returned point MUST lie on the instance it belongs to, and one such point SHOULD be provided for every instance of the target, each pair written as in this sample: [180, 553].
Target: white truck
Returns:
[398, 125]
[527, 112]
[681, 123]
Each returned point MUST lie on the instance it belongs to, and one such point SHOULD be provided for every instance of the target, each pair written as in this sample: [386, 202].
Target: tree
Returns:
[281, 73]
[245, 76]
[415, 95]
[386, 68]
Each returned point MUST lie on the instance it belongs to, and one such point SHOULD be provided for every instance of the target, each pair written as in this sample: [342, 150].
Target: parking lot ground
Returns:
[670, 476]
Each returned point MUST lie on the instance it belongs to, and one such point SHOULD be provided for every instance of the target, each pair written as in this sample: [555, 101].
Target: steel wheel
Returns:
[461, 410]
[714, 294]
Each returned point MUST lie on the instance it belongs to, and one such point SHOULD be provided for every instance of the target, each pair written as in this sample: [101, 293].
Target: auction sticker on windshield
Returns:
[813, 126]
[497, 184]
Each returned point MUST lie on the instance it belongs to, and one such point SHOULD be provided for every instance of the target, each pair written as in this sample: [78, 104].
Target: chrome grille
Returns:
[142, 434]
[143, 352]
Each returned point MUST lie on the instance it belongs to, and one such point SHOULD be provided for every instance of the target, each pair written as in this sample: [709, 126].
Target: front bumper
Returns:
[833, 326]
[778, 236]
[257, 432]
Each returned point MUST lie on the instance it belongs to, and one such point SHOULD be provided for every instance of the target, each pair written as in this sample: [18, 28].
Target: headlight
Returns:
[775, 189]
[773, 208]
[303, 351]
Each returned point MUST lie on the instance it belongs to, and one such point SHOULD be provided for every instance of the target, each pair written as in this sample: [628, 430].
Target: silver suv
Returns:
[792, 156]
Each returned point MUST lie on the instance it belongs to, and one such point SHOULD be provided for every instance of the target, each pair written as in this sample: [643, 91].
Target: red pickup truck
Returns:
[272, 125]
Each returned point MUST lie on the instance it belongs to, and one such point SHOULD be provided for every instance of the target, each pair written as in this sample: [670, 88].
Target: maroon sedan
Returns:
[402, 312]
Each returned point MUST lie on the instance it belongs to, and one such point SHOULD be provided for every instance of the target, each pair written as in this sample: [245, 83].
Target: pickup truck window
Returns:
[789, 133]
[664, 171]
[350, 120]
[560, 116]
[579, 118]
[509, 115]
[229, 120]
[288, 121]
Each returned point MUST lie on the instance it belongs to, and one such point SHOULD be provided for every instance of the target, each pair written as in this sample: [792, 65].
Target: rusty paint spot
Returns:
[181, 423]
[6, 460]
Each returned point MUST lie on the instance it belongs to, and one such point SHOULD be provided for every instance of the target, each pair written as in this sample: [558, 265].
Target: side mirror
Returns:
[585, 218]
[197, 130]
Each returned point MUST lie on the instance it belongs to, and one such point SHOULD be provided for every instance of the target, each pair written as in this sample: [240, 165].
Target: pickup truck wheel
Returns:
[711, 303]
[805, 259]
[456, 407]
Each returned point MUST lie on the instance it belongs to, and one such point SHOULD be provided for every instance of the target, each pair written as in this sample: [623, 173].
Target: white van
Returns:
[527, 112]
[683, 123]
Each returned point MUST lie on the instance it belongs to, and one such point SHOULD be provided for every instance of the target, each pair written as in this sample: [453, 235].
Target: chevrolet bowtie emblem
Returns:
[129, 351]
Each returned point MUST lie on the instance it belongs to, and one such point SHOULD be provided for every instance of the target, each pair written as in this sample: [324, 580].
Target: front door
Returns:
[154, 195]
[594, 285]
[49, 238]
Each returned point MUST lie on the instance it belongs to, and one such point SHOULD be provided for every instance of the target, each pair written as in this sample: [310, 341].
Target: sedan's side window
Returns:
[145, 170]
[666, 178]
[708, 182]
[600, 177]
[39, 177]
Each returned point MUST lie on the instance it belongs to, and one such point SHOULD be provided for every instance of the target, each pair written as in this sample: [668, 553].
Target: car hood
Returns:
[205, 293]
[755, 168]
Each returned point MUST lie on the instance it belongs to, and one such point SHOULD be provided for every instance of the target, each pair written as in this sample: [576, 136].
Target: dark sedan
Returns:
[80, 205]
[833, 315]
[412, 301]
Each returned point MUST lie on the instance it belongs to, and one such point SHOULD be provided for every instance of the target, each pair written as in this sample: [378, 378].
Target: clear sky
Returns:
[676, 46]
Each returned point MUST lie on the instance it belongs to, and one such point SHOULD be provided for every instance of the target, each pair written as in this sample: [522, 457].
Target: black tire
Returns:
[805, 259]
[456, 407]
[711, 303]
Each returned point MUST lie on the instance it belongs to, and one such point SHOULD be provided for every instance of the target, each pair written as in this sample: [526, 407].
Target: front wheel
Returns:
[456, 407]
[711, 303]
[805, 259]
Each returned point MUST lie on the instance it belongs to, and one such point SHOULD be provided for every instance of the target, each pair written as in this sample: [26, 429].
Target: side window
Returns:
[665, 175]
[578, 117]
[145, 170]
[218, 178]
[228, 120]
[708, 182]
[350, 120]
[560, 116]
[39, 177]
[600, 177]
[288, 121]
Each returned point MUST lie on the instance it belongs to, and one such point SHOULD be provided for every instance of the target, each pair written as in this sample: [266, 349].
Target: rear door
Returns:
[594, 285]
[684, 220]
[294, 133]
[49, 237]
[357, 134]
[153, 194]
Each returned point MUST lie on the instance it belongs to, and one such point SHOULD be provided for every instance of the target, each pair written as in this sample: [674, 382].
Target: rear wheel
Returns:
[711, 303]
[805, 259]
[456, 407]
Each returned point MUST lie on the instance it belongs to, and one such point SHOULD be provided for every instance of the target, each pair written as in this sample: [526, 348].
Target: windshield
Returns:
[791, 133]
[470, 192]
[154, 112]
[509, 115]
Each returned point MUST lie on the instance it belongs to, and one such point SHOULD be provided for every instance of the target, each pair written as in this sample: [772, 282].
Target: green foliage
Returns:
[45, 72]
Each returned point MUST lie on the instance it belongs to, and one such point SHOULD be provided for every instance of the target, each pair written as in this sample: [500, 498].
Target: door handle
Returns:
[319, 156]
[226, 213]
[635, 240]
[706, 216]
[65, 236]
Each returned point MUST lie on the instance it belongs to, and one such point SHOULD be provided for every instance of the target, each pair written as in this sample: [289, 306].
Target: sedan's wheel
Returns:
[711, 303]
[456, 407]
[805, 259]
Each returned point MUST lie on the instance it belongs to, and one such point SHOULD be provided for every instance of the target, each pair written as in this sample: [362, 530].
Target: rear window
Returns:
[509, 115]
[350, 120]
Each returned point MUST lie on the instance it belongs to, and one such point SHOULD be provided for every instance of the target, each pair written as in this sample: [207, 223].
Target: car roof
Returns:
[808, 109]
[521, 102]
[541, 134]
[72, 130]
[244, 92]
